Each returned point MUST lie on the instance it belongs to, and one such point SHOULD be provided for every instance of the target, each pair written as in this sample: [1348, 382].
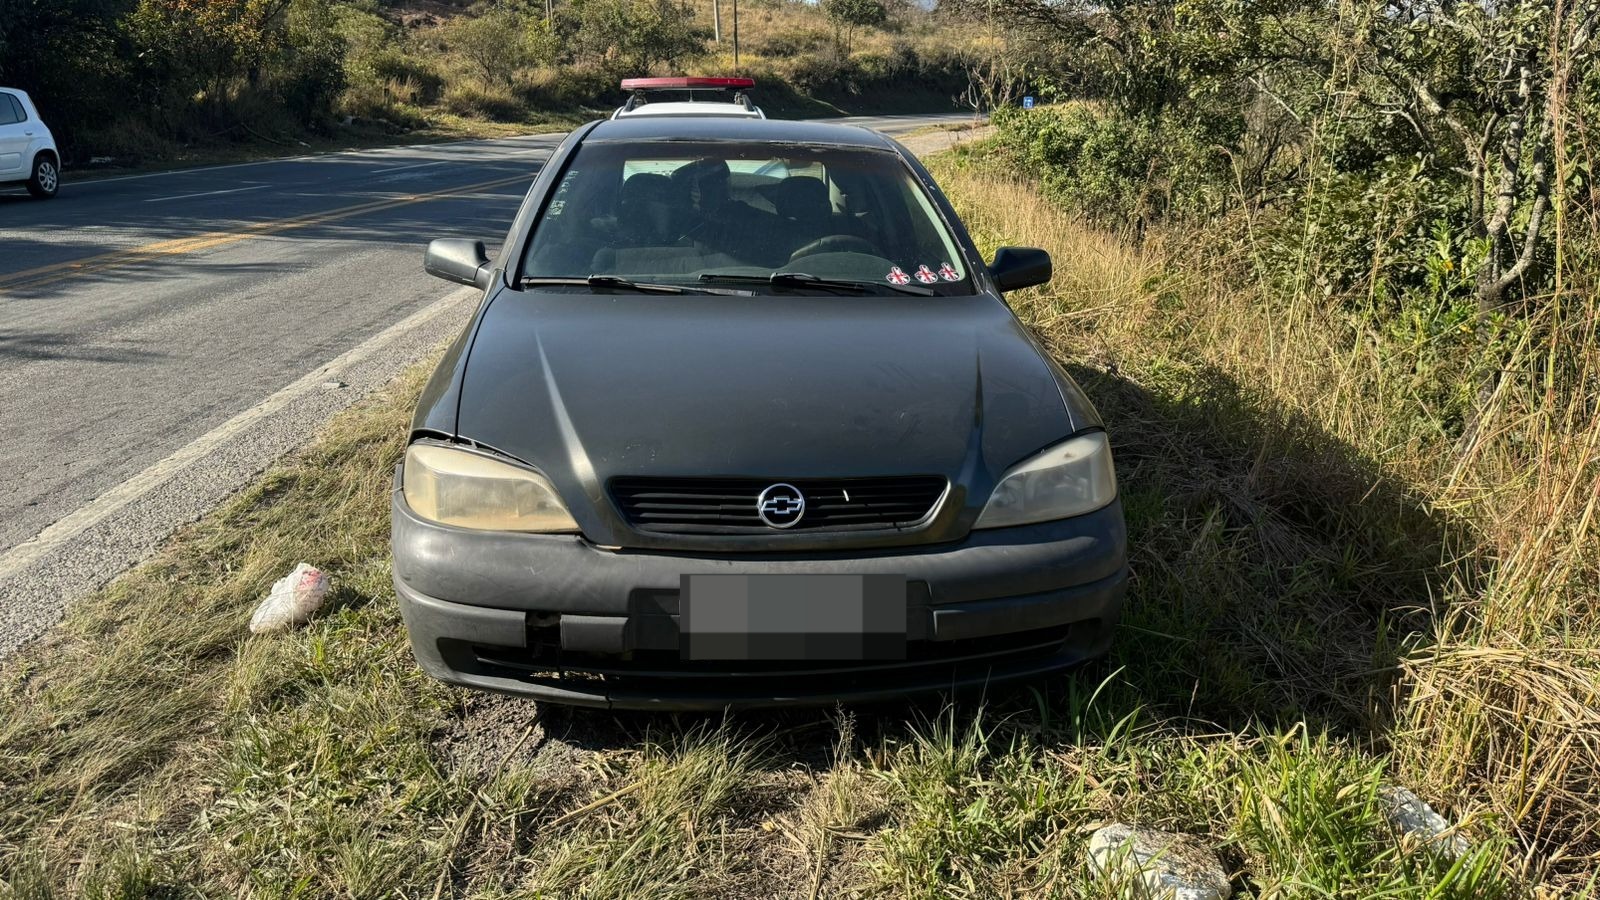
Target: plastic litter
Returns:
[1414, 820]
[1159, 865]
[292, 600]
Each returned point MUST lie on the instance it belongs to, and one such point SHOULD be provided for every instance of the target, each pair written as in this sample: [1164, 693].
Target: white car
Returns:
[639, 105]
[27, 148]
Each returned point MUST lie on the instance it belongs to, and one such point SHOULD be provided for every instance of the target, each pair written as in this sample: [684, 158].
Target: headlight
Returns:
[471, 490]
[1069, 479]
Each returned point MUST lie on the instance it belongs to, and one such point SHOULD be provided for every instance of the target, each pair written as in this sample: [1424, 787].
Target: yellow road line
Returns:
[54, 272]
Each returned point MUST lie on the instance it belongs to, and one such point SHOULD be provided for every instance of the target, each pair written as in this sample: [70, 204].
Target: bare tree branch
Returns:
[1539, 176]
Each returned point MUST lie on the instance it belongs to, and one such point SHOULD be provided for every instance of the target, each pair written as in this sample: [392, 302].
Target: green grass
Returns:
[152, 747]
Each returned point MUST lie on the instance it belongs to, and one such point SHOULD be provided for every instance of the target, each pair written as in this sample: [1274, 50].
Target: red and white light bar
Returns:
[683, 83]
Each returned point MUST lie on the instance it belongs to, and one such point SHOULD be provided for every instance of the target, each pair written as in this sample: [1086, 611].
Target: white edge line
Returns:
[208, 193]
[437, 162]
[98, 510]
[370, 151]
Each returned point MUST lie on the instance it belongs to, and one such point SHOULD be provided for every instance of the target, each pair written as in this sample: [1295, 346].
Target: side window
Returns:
[10, 110]
[22, 114]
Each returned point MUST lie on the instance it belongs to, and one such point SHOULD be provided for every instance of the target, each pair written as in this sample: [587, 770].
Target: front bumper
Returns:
[558, 618]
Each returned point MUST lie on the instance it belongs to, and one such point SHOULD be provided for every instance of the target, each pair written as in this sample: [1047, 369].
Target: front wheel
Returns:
[46, 177]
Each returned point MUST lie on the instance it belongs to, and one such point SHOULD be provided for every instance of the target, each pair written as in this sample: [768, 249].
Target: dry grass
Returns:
[914, 63]
[1316, 610]
[1496, 627]
[765, 25]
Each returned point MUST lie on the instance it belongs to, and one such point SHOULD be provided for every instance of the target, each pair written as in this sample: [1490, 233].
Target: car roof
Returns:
[689, 108]
[730, 128]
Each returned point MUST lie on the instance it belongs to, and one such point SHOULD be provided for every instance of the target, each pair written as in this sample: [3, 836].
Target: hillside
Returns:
[180, 79]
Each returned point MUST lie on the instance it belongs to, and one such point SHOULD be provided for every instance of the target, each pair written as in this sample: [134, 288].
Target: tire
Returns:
[46, 178]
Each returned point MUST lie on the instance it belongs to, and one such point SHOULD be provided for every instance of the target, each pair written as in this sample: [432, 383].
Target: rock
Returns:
[292, 600]
[1168, 866]
[1414, 820]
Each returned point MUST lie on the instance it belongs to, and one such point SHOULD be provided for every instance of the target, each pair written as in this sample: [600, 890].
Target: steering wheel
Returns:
[836, 243]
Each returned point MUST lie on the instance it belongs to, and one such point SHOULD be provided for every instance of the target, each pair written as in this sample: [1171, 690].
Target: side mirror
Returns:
[1020, 267]
[458, 260]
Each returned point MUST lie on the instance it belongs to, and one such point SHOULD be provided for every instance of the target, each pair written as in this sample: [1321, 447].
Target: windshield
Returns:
[695, 213]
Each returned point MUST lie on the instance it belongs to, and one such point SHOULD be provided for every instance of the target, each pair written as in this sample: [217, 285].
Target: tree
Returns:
[1139, 55]
[631, 36]
[188, 46]
[71, 56]
[848, 15]
[500, 39]
[1482, 85]
[311, 66]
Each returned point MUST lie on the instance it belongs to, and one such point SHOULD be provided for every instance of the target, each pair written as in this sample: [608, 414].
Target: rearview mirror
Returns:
[1020, 267]
[458, 260]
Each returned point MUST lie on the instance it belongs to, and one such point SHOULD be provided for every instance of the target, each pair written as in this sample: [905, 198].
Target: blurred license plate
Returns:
[794, 617]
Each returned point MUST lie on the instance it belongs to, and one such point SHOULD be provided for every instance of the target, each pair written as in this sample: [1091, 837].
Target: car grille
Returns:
[728, 505]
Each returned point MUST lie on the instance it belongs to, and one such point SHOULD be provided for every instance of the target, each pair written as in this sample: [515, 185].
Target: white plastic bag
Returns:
[293, 599]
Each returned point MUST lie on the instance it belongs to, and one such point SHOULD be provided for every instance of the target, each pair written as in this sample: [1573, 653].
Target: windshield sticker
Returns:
[948, 272]
[898, 275]
[558, 202]
[925, 275]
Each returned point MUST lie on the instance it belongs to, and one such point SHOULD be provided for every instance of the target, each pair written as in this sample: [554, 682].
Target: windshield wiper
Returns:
[802, 280]
[615, 283]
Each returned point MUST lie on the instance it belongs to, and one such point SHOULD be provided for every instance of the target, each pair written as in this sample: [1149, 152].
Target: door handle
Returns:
[28, 133]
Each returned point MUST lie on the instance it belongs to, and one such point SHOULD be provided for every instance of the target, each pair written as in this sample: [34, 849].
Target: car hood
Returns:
[586, 387]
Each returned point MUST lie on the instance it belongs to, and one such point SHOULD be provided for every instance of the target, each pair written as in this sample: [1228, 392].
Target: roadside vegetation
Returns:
[1360, 245]
[152, 747]
[138, 81]
[1331, 275]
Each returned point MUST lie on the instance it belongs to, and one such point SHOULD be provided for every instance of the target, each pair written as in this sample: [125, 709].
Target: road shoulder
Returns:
[83, 551]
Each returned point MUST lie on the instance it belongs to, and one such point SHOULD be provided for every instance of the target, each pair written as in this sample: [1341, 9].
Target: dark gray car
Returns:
[742, 419]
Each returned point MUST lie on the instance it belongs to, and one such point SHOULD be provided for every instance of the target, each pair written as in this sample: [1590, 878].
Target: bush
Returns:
[312, 68]
[422, 82]
[1385, 233]
[474, 98]
[816, 74]
[568, 88]
[501, 40]
[1117, 168]
[791, 43]
[379, 68]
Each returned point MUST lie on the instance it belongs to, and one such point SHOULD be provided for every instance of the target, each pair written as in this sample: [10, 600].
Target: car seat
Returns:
[646, 209]
[803, 202]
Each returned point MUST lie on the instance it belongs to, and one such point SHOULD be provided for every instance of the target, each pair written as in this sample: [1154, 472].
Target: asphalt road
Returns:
[165, 337]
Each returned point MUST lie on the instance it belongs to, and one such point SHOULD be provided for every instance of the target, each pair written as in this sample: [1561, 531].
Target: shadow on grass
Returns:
[1277, 576]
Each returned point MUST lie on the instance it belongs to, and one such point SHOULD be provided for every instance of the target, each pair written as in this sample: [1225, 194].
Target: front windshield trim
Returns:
[790, 282]
[609, 284]
[903, 176]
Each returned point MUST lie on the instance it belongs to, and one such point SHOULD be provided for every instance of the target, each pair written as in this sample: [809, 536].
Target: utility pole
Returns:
[736, 35]
[716, 20]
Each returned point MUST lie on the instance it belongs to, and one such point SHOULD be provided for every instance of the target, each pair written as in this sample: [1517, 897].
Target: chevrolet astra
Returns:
[742, 419]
